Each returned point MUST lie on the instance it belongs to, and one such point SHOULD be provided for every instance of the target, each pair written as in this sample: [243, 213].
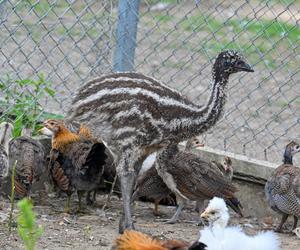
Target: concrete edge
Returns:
[245, 168]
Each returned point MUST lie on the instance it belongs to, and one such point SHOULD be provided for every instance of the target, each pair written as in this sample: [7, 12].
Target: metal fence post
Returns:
[126, 35]
[2, 9]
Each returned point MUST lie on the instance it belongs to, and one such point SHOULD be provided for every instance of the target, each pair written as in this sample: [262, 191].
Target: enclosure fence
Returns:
[49, 48]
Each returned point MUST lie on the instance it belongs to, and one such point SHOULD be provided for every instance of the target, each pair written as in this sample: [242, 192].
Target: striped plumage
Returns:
[283, 187]
[30, 157]
[191, 178]
[136, 115]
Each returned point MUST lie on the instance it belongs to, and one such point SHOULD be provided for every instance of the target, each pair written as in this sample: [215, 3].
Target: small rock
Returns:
[68, 221]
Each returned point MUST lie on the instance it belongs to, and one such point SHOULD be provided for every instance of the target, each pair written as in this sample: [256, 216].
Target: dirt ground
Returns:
[95, 229]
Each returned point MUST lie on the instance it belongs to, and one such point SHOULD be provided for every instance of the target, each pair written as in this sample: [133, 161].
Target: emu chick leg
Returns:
[156, 203]
[127, 184]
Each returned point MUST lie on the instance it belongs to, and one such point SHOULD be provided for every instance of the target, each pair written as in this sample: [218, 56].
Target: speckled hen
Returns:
[283, 187]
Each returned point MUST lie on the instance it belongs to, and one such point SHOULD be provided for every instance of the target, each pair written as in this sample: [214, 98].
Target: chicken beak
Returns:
[205, 217]
[45, 131]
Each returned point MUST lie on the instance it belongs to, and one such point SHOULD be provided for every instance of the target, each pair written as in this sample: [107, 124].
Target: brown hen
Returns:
[192, 178]
[76, 162]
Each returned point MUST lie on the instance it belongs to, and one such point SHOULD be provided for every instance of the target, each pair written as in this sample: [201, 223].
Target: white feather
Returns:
[148, 163]
[217, 236]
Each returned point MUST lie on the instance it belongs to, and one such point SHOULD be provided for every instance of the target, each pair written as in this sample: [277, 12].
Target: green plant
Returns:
[21, 102]
[28, 230]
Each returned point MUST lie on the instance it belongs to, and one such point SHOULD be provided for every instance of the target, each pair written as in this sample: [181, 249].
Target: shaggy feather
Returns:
[217, 236]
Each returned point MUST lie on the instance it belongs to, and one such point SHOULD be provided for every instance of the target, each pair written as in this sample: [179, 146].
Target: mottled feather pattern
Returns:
[203, 180]
[191, 178]
[151, 186]
[285, 189]
[282, 189]
[30, 157]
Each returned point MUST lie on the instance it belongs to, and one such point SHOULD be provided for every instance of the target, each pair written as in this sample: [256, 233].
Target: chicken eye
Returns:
[212, 212]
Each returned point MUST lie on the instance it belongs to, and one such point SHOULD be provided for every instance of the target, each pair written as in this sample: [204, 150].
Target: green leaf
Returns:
[51, 92]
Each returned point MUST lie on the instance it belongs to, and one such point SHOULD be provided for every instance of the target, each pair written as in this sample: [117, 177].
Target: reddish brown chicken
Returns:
[133, 240]
[76, 162]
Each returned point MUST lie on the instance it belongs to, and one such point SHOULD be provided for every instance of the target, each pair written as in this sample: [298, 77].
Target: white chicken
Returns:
[217, 236]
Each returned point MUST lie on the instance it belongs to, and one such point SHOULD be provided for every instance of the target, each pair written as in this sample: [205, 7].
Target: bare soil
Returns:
[97, 229]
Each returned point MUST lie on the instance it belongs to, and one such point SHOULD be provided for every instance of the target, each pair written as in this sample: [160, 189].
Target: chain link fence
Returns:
[66, 43]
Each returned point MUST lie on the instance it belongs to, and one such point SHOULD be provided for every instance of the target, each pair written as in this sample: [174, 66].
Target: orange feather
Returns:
[85, 132]
[63, 137]
[133, 240]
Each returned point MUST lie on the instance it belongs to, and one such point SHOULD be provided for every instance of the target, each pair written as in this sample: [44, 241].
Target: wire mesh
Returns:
[177, 41]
